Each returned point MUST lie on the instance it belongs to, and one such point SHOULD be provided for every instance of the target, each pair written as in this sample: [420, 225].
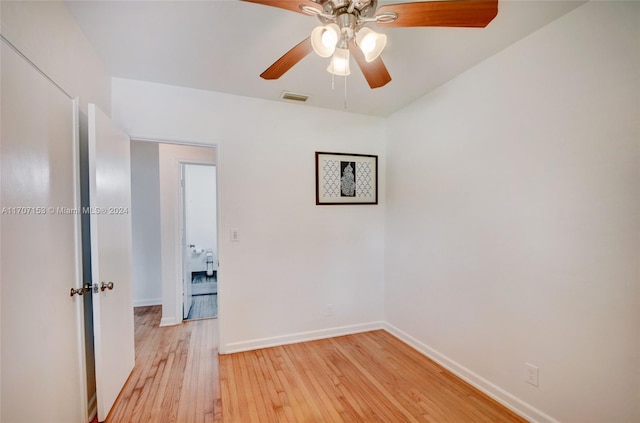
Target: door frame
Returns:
[186, 279]
[186, 275]
[171, 225]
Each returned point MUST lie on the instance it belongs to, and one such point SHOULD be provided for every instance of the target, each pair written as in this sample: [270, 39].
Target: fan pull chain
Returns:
[345, 92]
[333, 88]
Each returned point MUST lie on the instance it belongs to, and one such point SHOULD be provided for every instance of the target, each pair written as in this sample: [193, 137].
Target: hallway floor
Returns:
[176, 377]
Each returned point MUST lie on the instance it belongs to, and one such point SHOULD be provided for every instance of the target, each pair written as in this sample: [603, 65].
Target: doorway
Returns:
[200, 245]
[158, 232]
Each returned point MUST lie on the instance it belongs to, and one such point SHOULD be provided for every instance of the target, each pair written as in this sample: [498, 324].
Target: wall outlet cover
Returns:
[532, 374]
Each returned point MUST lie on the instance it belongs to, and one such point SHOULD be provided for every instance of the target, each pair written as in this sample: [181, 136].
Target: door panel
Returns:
[110, 228]
[187, 299]
[43, 364]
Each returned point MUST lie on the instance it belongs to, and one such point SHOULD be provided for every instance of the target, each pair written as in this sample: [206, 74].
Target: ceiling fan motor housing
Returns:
[363, 8]
[347, 23]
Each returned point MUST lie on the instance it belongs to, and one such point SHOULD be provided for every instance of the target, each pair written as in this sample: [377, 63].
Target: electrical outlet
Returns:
[234, 235]
[531, 376]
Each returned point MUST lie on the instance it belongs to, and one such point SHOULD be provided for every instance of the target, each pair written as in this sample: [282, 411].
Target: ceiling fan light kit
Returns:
[339, 64]
[324, 39]
[345, 25]
[344, 33]
[371, 43]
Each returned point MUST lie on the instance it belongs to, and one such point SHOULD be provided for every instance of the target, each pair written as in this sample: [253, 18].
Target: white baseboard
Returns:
[294, 338]
[169, 321]
[148, 302]
[513, 403]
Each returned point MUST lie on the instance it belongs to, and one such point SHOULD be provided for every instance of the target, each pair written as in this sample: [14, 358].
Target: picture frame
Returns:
[343, 178]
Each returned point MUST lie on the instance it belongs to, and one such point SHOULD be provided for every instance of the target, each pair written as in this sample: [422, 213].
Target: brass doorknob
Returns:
[104, 286]
[80, 291]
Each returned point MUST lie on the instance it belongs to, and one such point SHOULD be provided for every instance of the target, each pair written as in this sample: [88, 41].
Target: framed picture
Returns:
[346, 178]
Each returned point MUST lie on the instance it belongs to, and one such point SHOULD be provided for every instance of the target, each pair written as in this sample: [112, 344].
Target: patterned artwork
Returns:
[331, 178]
[364, 183]
[346, 179]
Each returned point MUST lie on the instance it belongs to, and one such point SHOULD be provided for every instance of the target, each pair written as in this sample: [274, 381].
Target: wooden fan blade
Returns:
[288, 60]
[292, 5]
[375, 72]
[458, 13]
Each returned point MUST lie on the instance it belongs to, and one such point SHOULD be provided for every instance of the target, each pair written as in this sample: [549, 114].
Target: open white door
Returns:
[110, 227]
[43, 363]
[187, 298]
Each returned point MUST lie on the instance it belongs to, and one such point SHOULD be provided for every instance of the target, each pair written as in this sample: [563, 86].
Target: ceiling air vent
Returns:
[295, 96]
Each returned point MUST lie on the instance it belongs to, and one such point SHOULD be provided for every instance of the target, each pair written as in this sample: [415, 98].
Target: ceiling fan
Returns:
[344, 33]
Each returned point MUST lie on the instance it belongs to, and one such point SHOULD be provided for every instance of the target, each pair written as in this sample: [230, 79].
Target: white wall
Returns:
[201, 214]
[293, 257]
[145, 217]
[47, 34]
[513, 214]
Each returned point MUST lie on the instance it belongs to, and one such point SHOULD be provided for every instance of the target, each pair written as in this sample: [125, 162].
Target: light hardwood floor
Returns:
[176, 374]
[368, 377]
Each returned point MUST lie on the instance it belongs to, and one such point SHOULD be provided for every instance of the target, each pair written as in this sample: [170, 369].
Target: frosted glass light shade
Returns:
[371, 43]
[340, 63]
[324, 39]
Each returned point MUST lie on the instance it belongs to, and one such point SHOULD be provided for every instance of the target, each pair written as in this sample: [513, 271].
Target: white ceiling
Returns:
[224, 45]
